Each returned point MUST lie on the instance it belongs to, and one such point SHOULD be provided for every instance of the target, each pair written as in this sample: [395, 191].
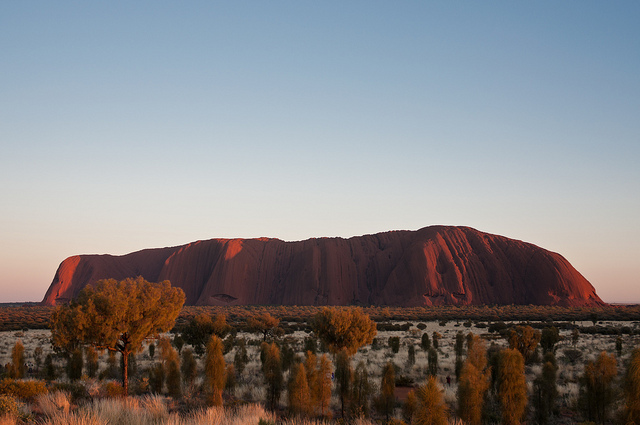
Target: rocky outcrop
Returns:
[432, 266]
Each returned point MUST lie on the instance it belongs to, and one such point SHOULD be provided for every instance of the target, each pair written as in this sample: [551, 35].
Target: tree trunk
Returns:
[125, 372]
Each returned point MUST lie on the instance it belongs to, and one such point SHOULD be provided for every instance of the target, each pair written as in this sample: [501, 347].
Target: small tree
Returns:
[178, 342]
[411, 355]
[263, 323]
[344, 378]
[214, 370]
[156, 378]
[394, 344]
[49, 368]
[298, 391]
[37, 357]
[512, 386]
[524, 339]
[311, 368]
[230, 384]
[117, 316]
[188, 367]
[632, 389]
[361, 390]
[324, 384]
[425, 342]
[386, 400]
[432, 360]
[545, 390]
[473, 383]
[200, 328]
[431, 408]
[409, 407]
[619, 346]
[17, 369]
[575, 336]
[459, 345]
[344, 328]
[436, 339]
[171, 365]
[272, 369]
[240, 358]
[597, 393]
[548, 339]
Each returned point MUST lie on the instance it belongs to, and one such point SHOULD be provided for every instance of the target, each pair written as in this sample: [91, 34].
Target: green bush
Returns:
[25, 390]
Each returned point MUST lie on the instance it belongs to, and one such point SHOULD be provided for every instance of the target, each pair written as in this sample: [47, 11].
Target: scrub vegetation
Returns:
[309, 365]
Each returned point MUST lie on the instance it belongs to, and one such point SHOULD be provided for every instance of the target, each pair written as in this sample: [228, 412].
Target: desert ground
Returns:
[251, 383]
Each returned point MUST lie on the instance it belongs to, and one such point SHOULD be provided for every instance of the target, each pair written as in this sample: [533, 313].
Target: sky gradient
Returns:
[129, 126]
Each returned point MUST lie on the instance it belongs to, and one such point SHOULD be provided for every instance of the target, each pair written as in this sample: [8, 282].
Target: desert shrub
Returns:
[431, 408]
[77, 391]
[230, 381]
[425, 342]
[497, 327]
[214, 370]
[597, 392]
[409, 406]
[545, 390]
[287, 355]
[9, 405]
[385, 402]
[156, 377]
[240, 358]
[473, 383]
[432, 359]
[49, 368]
[188, 367]
[17, 369]
[344, 328]
[572, 355]
[525, 339]
[436, 338]
[394, 344]
[360, 391]
[311, 344]
[25, 390]
[632, 389]
[411, 355]
[512, 386]
[550, 336]
[112, 389]
[323, 384]
[299, 394]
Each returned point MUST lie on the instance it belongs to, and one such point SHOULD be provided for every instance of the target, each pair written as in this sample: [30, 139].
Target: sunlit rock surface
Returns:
[432, 266]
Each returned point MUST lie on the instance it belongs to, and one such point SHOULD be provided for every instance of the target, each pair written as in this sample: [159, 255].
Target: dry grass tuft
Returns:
[55, 403]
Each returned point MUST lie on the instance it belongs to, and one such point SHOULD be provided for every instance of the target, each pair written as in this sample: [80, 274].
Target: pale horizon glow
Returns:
[132, 126]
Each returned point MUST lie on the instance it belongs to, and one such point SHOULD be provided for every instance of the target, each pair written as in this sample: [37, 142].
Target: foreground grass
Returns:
[56, 409]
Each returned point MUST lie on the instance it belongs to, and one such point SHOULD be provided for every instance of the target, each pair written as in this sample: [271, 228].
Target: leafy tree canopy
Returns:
[345, 328]
[117, 316]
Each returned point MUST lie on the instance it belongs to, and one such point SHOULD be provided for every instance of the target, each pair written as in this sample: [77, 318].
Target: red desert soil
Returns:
[432, 266]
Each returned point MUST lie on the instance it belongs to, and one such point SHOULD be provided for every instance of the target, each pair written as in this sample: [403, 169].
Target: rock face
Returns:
[432, 266]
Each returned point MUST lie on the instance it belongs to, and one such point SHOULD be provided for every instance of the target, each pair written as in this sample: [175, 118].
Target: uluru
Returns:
[435, 265]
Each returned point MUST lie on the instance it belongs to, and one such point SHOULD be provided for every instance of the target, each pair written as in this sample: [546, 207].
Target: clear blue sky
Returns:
[128, 126]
